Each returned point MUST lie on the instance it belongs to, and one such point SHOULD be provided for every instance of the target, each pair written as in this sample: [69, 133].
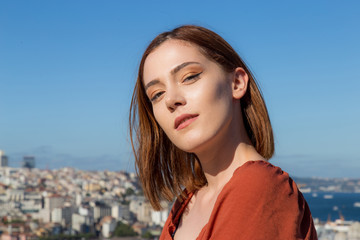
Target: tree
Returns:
[129, 192]
[124, 230]
[147, 235]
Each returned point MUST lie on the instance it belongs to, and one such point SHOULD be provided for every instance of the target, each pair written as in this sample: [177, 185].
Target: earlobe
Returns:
[239, 83]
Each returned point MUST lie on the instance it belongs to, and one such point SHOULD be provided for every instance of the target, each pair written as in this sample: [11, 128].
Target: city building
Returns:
[141, 208]
[108, 225]
[53, 201]
[44, 215]
[120, 212]
[160, 217]
[101, 210]
[15, 195]
[3, 159]
[70, 202]
[28, 162]
[62, 215]
[81, 224]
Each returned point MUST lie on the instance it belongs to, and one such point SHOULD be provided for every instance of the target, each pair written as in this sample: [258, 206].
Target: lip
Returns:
[184, 120]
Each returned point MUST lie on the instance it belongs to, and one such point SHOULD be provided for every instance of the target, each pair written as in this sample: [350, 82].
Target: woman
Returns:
[200, 131]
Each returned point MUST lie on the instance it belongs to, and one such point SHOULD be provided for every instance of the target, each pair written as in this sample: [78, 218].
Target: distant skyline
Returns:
[67, 71]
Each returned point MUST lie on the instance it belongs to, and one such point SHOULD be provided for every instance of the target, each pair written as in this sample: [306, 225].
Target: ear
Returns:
[239, 83]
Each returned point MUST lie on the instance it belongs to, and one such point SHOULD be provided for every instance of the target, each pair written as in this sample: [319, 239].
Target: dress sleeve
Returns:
[260, 202]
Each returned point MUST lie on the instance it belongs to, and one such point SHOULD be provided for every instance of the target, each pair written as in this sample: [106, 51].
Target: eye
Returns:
[192, 77]
[156, 96]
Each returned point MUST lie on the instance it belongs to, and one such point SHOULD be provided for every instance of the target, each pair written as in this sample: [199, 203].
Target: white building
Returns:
[142, 209]
[159, 217]
[85, 211]
[78, 199]
[15, 195]
[80, 223]
[108, 225]
[119, 211]
[44, 215]
[354, 231]
[62, 215]
[101, 210]
[32, 202]
[53, 201]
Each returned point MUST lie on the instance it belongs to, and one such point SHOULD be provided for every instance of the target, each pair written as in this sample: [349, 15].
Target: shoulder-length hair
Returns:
[164, 169]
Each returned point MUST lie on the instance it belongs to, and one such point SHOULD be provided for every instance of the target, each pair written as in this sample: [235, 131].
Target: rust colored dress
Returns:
[260, 202]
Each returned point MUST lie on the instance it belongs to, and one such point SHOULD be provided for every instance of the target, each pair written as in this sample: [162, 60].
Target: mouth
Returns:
[184, 120]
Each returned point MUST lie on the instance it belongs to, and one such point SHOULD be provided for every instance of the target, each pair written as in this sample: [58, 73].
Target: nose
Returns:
[174, 99]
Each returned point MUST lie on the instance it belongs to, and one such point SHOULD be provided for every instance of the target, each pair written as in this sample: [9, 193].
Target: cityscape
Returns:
[67, 73]
[69, 203]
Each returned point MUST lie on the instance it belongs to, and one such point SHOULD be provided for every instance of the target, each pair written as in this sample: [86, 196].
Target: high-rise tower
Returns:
[28, 162]
[3, 159]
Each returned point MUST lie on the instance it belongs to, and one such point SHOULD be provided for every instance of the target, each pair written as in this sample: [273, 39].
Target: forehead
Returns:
[169, 55]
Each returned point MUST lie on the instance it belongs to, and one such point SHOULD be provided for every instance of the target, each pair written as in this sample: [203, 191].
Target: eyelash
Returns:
[156, 96]
[190, 78]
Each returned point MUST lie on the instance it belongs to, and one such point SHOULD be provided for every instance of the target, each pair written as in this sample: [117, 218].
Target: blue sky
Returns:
[67, 70]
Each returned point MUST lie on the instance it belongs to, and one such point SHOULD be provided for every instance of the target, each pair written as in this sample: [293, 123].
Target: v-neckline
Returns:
[182, 208]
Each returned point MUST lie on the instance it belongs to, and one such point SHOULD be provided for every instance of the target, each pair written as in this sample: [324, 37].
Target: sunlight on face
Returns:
[191, 95]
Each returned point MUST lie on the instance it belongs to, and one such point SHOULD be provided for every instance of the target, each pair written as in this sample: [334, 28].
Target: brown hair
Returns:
[163, 168]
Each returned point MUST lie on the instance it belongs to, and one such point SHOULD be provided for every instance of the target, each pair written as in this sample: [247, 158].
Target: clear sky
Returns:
[67, 70]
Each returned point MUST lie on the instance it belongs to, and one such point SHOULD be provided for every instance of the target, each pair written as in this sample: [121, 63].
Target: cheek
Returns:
[217, 105]
[161, 118]
[216, 93]
[223, 89]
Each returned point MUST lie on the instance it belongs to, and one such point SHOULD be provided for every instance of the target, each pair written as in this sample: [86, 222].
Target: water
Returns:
[324, 207]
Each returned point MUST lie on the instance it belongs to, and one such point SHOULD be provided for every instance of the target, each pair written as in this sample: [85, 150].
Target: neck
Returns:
[221, 159]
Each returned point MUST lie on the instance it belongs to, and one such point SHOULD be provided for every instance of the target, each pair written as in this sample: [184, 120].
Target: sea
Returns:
[332, 206]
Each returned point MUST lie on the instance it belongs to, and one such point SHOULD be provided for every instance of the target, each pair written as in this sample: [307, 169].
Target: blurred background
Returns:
[68, 68]
[67, 71]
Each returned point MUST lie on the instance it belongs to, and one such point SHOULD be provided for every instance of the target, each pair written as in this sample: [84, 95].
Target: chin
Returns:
[188, 149]
[190, 146]
[193, 143]
[186, 146]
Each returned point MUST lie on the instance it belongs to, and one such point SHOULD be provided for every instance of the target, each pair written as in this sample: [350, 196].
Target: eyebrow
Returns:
[153, 82]
[181, 66]
[174, 71]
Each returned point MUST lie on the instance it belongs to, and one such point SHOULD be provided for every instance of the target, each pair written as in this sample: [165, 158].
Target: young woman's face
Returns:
[191, 95]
